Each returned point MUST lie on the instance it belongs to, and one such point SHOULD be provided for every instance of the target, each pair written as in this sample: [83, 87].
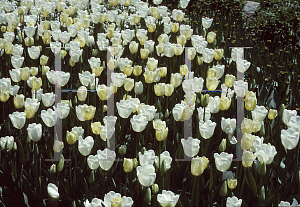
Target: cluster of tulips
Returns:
[144, 42]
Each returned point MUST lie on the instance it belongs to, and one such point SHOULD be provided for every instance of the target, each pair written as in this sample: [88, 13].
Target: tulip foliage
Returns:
[98, 104]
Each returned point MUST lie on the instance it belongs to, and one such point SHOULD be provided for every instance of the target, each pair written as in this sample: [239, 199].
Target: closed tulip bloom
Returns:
[242, 65]
[34, 131]
[128, 165]
[207, 129]
[211, 72]
[212, 83]
[36, 83]
[133, 47]
[147, 158]
[89, 112]
[34, 52]
[124, 108]
[198, 165]
[6, 143]
[96, 127]
[287, 115]
[223, 161]
[211, 36]
[15, 75]
[62, 110]
[151, 27]
[259, 113]
[224, 103]
[161, 134]
[129, 84]
[241, 88]
[29, 110]
[149, 76]
[213, 104]
[152, 64]
[17, 61]
[144, 53]
[233, 202]
[250, 100]
[49, 117]
[138, 122]
[85, 145]
[93, 162]
[148, 111]
[228, 125]
[146, 174]
[169, 89]
[206, 22]
[86, 78]
[289, 138]
[138, 87]
[218, 54]
[164, 156]
[137, 70]
[82, 93]
[272, 114]
[232, 183]
[128, 70]
[190, 146]
[71, 137]
[19, 101]
[106, 158]
[48, 99]
[159, 89]
[175, 27]
[229, 80]
[208, 55]
[181, 40]
[178, 49]
[265, 153]
[104, 92]
[248, 158]
[18, 119]
[177, 111]
[52, 190]
[45, 69]
[34, 71]
[176, 79]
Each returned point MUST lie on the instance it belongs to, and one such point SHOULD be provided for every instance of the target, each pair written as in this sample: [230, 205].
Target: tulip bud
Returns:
[53, 169]
[94, 52]
[71, 137]
[147, 197]
[135, 163]
[281, 110]
[262, 130]
[175, 27]
[128, 165]
[60, 165]
[74, 204]
[122, 149]
[36, 149]
[92, 177]
[163, 167]
[262, 195]
[223, 191]
[203, 32]
[15, 147]
[143, 150]
[3, 29]
[204, 100]
[272, 114]
[222, 146]
[155, 189]
[167, 114]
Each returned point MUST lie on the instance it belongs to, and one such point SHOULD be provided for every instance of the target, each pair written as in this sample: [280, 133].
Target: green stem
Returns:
[126, 178]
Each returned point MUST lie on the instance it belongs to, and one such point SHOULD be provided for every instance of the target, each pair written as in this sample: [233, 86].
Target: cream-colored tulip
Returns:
[137, 70]
[144, 53]
[224, 103]
[211, 36]
[272, 114]
[175, 27]
[212, 83]
[129, 84]
[229, 80]
[163, 72]
[169, 89]
[96, 127]
[218, 54]
[19, 101]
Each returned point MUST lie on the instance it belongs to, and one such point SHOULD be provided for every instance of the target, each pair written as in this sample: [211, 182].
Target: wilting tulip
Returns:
[190, 146]
[49, 117]
[18, 119]
[138, 122]
[34, 131]
[206, 22]
[52, 190]
[19, 101]
[233, 201]
[248, 158]
[289, 138]
[146, 174]
[106, 158]
[85, 145]
[223, 161]
[198, 165]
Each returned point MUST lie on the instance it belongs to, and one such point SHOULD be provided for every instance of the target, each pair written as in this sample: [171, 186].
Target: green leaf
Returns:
[251, 182]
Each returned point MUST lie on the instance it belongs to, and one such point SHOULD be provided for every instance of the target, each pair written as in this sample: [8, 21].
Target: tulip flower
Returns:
[207, 129]
[265, 153]
[62, 110]
[224, 103]
[86, 78]
[164, 156]
[18, 119]
[242, 65]
[124, 108]
[105, 92]
[106, 158]
[34, 52]
[206, 22]
[112, 199]
[259, 113]
[228, 125]
[198, 165]
[127, 165]
[233, 202]
[48, 99]
[85, 145]
[96, 127]
[201, 114]
[17, 61]
[289, 138]
[52, 190]
[250, 100]
[58, 77]
[6, 143]
[237, 54]
[223, 161]
[190, 146]
[49, 117]
[149, 112]
[93, 162]
[133, 47]
[19, 101]
[34, 131]
[146, 174]
[15, 75]
[138, 122]
[71, 137]
[272, 114]
[248, 158]
[167, 199]
[138, 87]
[18, 50]
[287, 115]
